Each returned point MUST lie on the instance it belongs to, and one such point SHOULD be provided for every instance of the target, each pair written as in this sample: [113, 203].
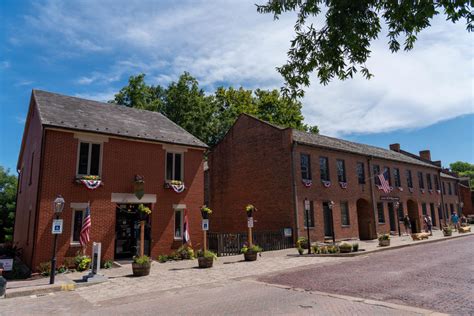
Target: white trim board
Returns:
[131, 198]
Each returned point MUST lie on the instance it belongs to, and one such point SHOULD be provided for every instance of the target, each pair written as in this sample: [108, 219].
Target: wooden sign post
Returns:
[142, 238]
[205, 228]
[250, 226]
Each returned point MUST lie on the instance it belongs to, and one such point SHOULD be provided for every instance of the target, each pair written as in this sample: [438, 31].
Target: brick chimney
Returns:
[395, 147]
[425, 154]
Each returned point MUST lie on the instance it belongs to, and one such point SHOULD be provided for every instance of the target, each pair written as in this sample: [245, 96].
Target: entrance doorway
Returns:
[365, 220]
[414, 216]
[391, 217]
[127, 232]
[328, 220]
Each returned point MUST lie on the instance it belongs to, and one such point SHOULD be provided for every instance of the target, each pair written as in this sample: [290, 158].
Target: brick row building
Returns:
[67, 138]
[277, 169]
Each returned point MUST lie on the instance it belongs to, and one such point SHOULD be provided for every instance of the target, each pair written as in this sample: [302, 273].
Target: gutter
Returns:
[294, 187]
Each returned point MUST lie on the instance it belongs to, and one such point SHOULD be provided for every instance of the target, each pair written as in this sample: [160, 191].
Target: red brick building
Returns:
[277, 169]
[66, 138]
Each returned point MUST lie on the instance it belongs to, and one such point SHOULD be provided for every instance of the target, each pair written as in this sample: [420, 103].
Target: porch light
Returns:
[58, 204]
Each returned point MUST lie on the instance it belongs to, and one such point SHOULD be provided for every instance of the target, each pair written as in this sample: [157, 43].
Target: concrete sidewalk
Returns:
[178, 274]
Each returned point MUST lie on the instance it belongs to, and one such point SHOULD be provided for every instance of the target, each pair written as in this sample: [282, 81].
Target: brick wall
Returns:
[465, 195]
[122, 160]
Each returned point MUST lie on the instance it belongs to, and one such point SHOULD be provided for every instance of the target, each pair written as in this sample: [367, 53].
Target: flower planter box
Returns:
[141, 269]
[384, 243]
[250, 256]
[447, 233]
[420, 236]
[205, 263]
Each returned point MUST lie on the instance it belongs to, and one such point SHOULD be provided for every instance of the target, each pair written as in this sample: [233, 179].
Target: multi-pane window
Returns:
[423, 208]
[396, 177]
[178, 224]
[376, 169]
[386, 175]
[421, 182]
[310, 216]
[400, 211]
[305, 167]
[89, 159]
[450, 189]
[78, 217]
[341, 170]
[324, 168]
[380, 212]
[345, 218]
[433, 214]
[436, 181]
[360, 173]
[428, 181]
[409, 179]
[174, 166]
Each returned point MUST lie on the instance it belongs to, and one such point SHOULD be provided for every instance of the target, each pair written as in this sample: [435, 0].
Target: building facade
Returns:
[68, 138]
[298, 180]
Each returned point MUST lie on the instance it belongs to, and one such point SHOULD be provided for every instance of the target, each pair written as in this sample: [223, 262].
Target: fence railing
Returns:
[229, 244]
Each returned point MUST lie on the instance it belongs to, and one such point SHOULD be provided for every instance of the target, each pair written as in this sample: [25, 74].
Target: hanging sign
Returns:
[57, 226]
[7, 264]
[205, 224]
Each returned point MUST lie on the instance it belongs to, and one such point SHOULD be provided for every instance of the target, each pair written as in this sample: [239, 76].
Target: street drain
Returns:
[305, 306]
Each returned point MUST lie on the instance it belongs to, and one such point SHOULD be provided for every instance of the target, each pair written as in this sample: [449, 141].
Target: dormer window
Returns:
[89, 158]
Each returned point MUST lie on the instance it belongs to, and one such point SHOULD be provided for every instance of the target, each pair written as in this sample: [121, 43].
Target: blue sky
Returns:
[422, 99]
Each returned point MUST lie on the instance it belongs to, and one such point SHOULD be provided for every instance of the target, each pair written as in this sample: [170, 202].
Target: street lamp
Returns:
[397, 207]
[306, 208]
[58, 206]
[331, 205]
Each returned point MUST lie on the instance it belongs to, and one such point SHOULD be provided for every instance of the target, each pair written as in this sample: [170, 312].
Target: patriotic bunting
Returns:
[307, 183]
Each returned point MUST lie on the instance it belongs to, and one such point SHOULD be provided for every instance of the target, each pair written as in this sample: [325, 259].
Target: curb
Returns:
[46, 289]
[362, 253]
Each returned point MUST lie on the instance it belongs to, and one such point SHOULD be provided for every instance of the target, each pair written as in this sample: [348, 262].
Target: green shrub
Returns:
[82, 262]
[163, 258]
[185, 252]
[108, 264]
[355, 247]
[324, 250]
[45, 268]
[345, 246]
[302, 242]
[207, 254]
[384, 237]
[251, 249]
[316, 249]
[142, 260]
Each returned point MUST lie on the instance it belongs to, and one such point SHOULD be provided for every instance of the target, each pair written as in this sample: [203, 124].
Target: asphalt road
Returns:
[437, 276]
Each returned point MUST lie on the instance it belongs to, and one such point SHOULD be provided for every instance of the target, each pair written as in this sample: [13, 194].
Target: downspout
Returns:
[295, 198]
[372, 193]
[445, 212]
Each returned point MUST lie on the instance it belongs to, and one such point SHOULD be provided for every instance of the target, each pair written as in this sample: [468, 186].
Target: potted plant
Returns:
[141, 265]
[384, 240]
[250, 209]
[447, 230]
[206, 258]
[139, 186]
[250, 252]
[143, 211]
[205, 212]
[301, 245]
[345, 248]
[355, 247]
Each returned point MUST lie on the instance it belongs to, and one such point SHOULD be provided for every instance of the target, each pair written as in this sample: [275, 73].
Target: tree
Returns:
[209, 117]
[342, 45]
[464, 169]
[8, 186]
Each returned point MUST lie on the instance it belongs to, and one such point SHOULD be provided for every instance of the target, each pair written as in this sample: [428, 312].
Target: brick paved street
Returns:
[437, 276]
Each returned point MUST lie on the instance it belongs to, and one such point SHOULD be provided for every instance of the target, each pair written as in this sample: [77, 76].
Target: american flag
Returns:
[186, 237]
[384, 185]
[86, 227]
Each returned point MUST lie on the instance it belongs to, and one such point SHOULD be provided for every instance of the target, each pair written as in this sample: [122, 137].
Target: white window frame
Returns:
[182, 223]
[89, 156]
[174, 152]
[76, 207]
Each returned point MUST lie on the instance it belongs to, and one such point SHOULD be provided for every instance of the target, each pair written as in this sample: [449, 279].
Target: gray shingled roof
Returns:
[448, 176]
[356, 148]
[86, 115]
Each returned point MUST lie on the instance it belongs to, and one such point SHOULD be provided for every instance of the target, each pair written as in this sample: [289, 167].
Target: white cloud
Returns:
[229, 43]
[102, 96]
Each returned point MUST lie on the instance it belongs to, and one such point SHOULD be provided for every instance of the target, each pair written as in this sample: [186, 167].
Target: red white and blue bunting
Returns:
[343, 185]
[326, 184]
[91, 184]
[307, 183]
[178, 188]
[400, 189]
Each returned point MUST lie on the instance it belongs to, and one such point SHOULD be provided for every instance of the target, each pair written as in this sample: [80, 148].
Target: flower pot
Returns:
[141, 269]
[447, 233]
[300, 251]
[250, 256]
[205, 215]
[205, 262]
[384, 243]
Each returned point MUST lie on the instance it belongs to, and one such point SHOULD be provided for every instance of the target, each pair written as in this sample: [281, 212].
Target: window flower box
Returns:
[90, 182]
